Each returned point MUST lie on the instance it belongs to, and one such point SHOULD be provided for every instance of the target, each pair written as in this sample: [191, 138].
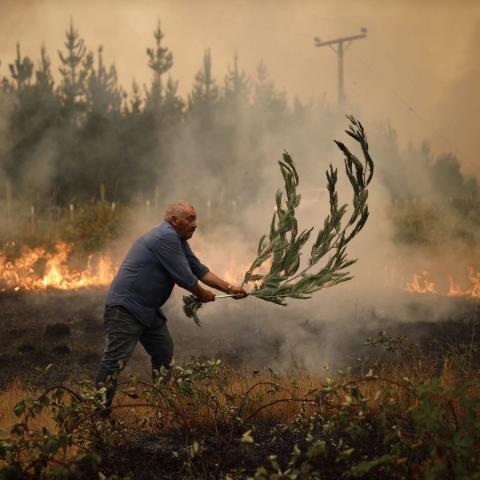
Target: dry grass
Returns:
[252, 392]
[209, 412]
[9, 398]
[247, 391]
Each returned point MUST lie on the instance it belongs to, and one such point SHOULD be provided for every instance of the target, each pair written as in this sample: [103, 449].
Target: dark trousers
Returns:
[123, 332]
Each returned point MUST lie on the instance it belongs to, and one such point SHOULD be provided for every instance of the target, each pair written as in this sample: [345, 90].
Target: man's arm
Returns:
[173, 259]
[215, 281]
[209, 278]
[203, 294]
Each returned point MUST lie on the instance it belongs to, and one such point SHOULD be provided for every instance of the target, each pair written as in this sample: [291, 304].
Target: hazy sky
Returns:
[418, 67]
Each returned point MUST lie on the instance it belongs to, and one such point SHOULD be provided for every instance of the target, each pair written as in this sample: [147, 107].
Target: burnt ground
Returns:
[61, 328]
[65, 328]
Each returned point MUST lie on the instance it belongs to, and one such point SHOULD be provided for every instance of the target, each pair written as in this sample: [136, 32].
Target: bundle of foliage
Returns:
[283, 246]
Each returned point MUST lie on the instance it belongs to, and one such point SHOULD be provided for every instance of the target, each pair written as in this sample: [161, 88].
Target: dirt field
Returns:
[65, 328]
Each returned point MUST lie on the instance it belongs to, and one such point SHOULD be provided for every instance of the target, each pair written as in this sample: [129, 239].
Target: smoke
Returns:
[327, 329]
[379, 85]
[4, 107]
[400, 67]
[314, 333]
[461, 104]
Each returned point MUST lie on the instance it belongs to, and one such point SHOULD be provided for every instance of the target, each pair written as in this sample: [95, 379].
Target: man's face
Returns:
[185, 222]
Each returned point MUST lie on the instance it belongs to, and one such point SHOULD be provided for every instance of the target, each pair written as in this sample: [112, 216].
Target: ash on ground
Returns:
[65, 328]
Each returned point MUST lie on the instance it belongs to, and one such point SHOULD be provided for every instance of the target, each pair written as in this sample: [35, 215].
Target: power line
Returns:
[414, 111]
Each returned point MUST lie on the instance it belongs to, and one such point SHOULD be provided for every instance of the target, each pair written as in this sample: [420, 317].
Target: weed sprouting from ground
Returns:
[205, 421]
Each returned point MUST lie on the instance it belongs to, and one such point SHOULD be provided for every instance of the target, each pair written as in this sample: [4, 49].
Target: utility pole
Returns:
[342, 44]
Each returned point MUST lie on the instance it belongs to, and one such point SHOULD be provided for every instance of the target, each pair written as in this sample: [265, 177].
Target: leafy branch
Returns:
[284, 243]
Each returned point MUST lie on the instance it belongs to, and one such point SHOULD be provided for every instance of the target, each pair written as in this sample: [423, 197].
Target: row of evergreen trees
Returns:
[62, 140]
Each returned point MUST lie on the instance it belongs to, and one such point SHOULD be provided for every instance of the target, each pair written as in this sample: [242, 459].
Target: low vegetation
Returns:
[400, 416]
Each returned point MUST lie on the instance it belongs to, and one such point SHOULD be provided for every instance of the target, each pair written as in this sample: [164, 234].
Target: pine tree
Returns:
[202, 127]
[43, 73]
[237, 88]
[235, 124]
[21, 70]
[205, 91]
[172, 105]
[266, 97]
[160, 60]
[136, 101]
[96, 139]
[76, 66]
[103, 95]
[163, 110]
[44, 88]
[5, 86]
[6, 104]
[32, 121]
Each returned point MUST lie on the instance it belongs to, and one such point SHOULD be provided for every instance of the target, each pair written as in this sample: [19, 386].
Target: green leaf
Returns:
[191, 306]
[51, 447]
[19, 408]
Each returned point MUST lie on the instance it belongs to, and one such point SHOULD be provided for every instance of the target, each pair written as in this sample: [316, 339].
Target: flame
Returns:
[421, 283]
[38, 269]
[473, 290]
[235, 271]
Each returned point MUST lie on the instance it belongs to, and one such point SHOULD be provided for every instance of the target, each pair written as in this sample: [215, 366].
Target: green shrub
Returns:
[205, 421]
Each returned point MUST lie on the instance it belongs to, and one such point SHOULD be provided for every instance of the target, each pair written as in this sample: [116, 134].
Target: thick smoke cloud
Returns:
[380, 88]
[461, 104]
[401, 66]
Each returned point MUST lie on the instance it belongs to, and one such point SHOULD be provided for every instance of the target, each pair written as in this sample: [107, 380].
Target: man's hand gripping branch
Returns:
[218, 283]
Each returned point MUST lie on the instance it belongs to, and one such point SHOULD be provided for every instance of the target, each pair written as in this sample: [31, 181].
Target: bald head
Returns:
[177, 209]
[182, 216]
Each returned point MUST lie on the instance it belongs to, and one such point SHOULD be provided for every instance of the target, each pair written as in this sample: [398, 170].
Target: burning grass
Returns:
[423, 283]
[397, 420]
[38, 268]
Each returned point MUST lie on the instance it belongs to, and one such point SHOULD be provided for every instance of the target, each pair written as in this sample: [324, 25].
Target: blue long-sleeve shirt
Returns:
[155, 263]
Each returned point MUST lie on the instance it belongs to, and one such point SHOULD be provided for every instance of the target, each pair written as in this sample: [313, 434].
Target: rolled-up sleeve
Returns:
[170, 254]
[198, 268]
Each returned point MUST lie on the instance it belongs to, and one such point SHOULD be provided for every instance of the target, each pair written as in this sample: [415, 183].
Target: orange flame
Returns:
[235, 271]
[422, 284]
[38, 269]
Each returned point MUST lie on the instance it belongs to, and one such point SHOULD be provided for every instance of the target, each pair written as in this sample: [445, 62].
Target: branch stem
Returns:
[252, 294]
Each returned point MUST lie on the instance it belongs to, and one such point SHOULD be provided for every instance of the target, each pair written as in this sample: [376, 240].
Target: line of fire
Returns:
[38, 269]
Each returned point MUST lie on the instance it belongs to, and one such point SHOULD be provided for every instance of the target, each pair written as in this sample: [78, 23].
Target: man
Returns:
[155, 263]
